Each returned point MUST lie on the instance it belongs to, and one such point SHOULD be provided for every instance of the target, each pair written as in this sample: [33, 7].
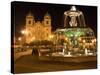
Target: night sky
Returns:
[19, 10]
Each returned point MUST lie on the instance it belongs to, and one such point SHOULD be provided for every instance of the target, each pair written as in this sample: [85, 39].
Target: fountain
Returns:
[75, 29]
[75, 41]
[74, 18]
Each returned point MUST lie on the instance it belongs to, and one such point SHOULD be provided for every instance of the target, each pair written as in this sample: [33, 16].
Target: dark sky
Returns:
[21, 9]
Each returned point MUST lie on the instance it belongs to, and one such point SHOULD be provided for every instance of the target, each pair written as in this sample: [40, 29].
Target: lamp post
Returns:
[20, 40]
[51, 37]
[24, 33]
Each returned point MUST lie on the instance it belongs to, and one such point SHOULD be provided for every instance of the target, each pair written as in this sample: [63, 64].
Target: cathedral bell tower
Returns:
[29, 19]
[29, 25]
[47, 20]
[47, 26]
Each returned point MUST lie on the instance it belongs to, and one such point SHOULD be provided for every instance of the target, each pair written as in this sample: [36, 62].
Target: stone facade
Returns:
[38, 30]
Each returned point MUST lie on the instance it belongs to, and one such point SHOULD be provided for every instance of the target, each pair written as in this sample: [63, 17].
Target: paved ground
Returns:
[19, 54]
[28, 63]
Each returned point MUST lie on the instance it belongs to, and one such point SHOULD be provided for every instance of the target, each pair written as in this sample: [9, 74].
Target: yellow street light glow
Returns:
[66, 38]
[19, 38]
[92, 41]
[95, 40]
[25, 32]
[51, 36]
[79, 39]
[84, 41]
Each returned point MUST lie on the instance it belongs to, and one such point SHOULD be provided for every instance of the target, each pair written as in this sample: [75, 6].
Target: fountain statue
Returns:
[74, 18]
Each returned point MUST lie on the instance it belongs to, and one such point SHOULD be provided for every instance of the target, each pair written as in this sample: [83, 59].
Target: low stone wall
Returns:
[69, 59]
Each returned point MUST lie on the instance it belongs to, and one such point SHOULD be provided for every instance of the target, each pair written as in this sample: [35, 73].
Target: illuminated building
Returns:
[37, 30]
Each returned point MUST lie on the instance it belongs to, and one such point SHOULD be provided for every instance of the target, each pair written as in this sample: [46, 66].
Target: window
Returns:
[47, 22]
[47, 34]
[46, 29]
[29, 22]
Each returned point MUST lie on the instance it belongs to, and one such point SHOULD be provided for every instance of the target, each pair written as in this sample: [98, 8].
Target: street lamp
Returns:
[83, 41]
[19, 39]
[24, 32]
[24, 35]
[79, 39]
[51, 36]
[94, 40]
[66, 39]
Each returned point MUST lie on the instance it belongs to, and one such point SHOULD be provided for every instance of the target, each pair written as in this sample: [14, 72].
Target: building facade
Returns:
[37, 30]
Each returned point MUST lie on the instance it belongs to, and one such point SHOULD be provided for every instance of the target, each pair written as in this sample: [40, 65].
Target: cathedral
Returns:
[38, 30]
